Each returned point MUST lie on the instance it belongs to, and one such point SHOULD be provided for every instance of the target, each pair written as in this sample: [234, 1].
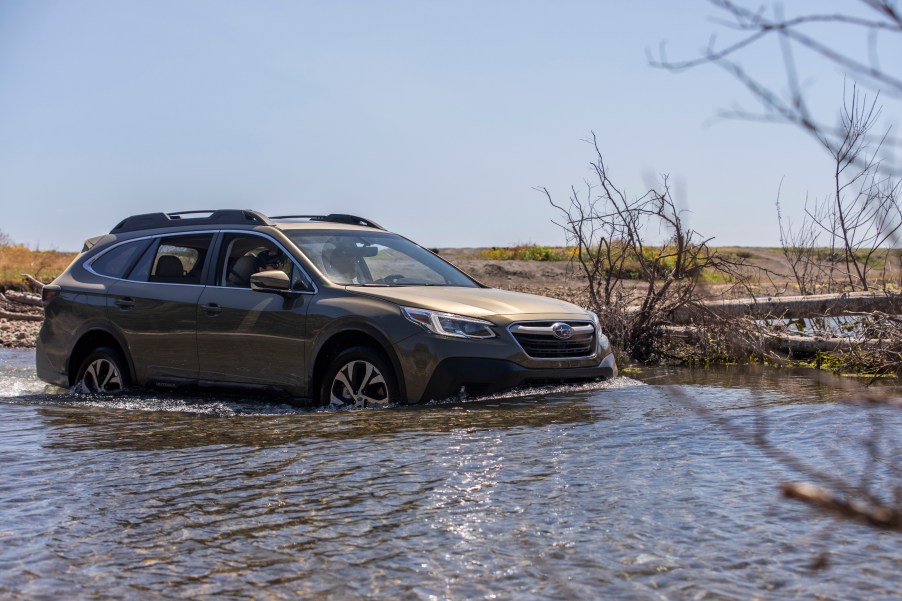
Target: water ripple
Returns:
[616, 491]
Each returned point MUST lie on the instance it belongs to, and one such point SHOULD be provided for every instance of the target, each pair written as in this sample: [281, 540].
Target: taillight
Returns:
[49, 292]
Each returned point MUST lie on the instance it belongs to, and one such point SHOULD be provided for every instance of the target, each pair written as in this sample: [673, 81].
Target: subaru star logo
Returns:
[562, 330]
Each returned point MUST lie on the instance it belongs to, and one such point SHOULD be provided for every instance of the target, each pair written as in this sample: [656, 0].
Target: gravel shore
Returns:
[18, 334]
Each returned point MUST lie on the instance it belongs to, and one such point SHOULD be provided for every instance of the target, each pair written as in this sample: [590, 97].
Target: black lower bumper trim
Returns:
[487, 376]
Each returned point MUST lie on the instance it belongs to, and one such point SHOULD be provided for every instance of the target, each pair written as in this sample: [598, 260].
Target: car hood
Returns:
[473, 302]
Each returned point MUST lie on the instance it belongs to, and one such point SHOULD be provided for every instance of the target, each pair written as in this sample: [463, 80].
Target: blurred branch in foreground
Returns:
[878, 23]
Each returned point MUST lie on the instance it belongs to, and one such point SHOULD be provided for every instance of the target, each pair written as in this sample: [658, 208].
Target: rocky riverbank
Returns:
[18, 334]
[21, 315]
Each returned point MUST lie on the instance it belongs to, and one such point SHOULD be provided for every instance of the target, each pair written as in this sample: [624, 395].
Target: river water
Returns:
[635, 489]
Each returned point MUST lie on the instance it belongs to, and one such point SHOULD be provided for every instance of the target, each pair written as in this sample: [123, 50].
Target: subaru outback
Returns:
[332, 309]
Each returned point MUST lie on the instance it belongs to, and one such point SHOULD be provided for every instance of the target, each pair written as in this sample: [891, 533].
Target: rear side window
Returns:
[175, 260]
[116, 262]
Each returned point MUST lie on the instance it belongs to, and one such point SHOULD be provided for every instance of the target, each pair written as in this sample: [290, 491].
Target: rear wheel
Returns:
[104, 371]
[359, 377]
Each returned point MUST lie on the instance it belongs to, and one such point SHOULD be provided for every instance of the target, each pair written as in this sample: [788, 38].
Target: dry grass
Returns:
[17, 259]
[527, 252]
[631, 268]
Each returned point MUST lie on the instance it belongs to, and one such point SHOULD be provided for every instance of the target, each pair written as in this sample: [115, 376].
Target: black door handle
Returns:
[125, 303]
[212, 309]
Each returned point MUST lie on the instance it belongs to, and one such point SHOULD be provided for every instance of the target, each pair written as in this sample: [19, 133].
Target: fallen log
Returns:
[21, 316]
[794, 343]
[22, 298]
[791, 307]
[813, 344]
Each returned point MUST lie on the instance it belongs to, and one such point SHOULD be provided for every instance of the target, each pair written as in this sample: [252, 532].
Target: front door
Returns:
[252, 337]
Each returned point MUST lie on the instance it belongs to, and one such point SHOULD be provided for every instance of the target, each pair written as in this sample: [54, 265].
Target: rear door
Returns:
[155, 307]
[251, 337]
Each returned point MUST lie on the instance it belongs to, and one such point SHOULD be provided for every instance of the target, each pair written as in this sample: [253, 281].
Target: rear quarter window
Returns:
[116, 262]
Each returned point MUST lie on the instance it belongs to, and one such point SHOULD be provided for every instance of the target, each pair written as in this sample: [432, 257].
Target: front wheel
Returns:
[104, 371]
[359, 377]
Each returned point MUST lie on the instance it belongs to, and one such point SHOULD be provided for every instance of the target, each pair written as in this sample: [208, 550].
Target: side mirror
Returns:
[270, 281]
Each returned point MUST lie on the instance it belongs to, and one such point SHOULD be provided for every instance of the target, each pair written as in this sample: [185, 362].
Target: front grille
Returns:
[537, 340]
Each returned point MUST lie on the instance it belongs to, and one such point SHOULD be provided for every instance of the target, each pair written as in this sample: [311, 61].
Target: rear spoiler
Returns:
[92, 242]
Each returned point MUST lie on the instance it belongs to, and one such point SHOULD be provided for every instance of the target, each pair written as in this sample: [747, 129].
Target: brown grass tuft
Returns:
[17, 259]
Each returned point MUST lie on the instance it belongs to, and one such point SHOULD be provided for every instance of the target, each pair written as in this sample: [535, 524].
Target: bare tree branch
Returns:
[815, 34]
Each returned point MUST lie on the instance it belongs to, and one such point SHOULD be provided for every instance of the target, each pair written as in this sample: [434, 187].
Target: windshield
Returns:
[353, 258]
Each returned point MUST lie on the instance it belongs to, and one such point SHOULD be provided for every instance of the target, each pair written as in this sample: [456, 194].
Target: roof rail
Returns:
[149, 221]
[335, 218]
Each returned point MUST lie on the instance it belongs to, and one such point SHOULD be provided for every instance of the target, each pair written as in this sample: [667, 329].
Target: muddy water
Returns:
[624, 491]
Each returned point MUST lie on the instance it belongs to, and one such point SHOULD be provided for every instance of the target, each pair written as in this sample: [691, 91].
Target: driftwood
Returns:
[794, 343]
[36, 283]
[791, 307]
[23, 298]
[21, 316]
[812, 344]
[22, 306]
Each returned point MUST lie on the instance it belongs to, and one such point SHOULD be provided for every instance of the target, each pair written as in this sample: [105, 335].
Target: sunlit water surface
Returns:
[627, 490]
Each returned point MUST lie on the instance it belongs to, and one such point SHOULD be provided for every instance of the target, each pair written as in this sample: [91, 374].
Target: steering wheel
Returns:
[391, 279]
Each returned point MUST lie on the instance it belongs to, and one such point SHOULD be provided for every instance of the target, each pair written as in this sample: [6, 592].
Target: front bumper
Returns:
[435, 367]
[486, 376]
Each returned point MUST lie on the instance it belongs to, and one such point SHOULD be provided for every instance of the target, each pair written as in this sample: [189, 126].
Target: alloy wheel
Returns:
[102, 375]
[359, 384]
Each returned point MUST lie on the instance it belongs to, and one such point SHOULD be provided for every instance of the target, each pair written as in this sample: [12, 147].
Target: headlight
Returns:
[449, 324]
[603, 342]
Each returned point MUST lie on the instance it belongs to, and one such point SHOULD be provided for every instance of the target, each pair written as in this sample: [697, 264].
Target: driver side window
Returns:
[244, 255]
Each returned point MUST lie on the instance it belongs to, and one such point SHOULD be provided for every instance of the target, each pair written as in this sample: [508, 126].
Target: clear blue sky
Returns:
[435, 119]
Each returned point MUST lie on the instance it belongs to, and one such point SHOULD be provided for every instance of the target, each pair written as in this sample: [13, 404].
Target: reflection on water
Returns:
[616, 491]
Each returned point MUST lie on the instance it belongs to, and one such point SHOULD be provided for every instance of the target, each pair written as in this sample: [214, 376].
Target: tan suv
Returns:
[332, 309]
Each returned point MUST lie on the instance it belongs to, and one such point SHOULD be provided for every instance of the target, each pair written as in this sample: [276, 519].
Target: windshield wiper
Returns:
[425, 284]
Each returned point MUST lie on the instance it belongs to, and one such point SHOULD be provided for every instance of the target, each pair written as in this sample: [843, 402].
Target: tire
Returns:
[104, 371]
[359, 377]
